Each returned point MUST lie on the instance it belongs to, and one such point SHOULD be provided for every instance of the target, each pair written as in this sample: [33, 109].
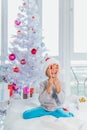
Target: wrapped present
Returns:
[10, 87]
[31, 92]
[26, 91]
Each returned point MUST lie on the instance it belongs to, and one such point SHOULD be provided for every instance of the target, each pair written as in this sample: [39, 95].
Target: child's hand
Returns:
[57, 85]
[50, 80]
[52, 73]
[50, 85]
[56, 81]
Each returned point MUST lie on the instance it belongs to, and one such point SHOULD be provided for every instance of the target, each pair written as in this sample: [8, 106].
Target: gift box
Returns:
[26, 91]
[31, 92]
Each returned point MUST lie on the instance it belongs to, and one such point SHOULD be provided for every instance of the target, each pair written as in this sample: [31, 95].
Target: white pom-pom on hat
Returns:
[50, 61]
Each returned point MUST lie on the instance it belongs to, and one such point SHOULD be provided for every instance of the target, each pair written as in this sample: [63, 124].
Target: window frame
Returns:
[74, 55]
[4, 29]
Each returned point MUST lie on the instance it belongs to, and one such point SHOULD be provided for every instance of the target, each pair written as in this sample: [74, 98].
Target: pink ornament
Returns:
[32, 29]
[26, 90]
[17, 22]
[18, 32]
[23, 61]
[33, 17]
[47, 59]
[16, 69]
[24, 4]
[14, 84]
[12, 56]
[33, 51]
[15, 88]
[65, 109]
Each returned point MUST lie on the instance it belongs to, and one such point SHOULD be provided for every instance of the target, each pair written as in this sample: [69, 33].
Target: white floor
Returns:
[14, 119]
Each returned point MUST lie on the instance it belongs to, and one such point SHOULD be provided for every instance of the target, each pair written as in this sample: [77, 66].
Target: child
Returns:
[51, 94]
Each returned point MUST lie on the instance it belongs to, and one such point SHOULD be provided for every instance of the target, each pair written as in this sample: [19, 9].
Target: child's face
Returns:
[52, 70]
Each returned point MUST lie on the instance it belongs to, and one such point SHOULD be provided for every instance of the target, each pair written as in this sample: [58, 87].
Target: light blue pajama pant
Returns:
[38, 112]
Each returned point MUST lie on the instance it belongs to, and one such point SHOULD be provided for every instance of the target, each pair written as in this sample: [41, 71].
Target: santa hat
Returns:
[48, 62]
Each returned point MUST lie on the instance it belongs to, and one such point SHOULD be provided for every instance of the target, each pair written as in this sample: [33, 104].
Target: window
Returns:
[78, 30]
[80, 26]
[50, 25]
[78, 43]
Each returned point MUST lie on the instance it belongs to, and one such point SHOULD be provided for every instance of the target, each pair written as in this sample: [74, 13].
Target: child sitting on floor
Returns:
[52, 94]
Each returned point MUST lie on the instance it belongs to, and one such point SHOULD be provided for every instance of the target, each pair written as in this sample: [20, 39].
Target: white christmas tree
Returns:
[27, 52]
